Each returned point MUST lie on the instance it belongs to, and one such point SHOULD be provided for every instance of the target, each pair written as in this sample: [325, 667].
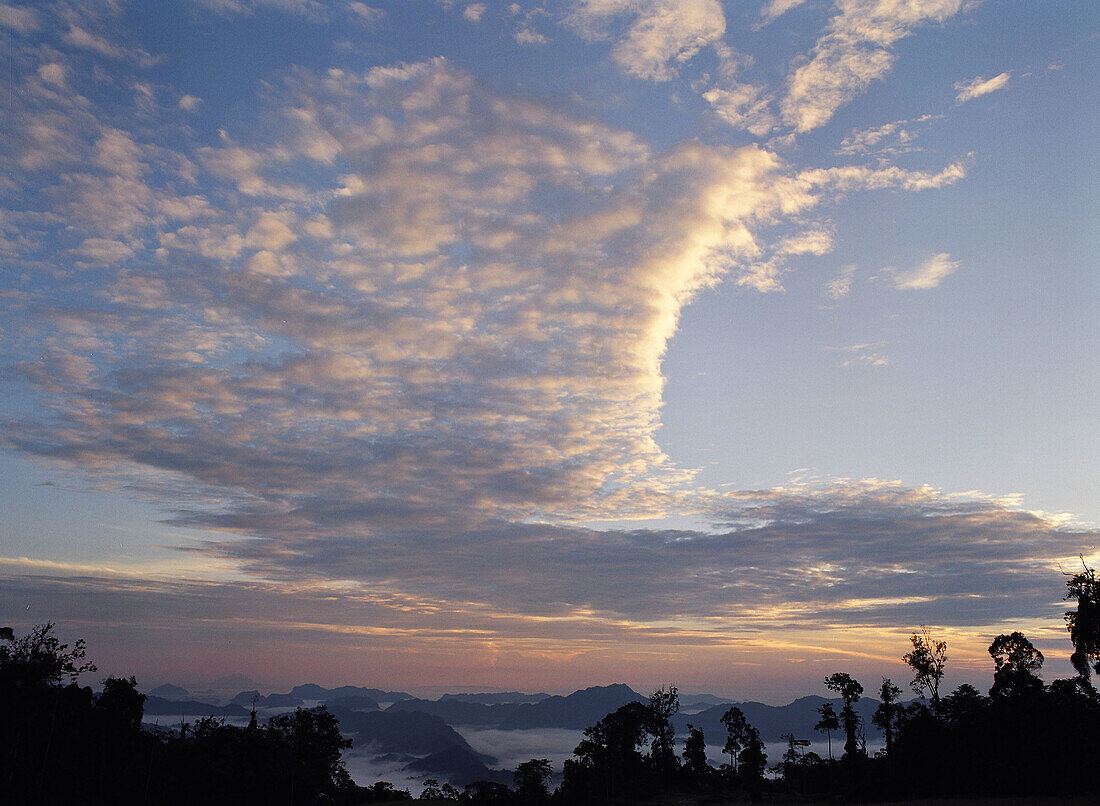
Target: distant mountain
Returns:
[282, 701]
[496, 698]
[169, 691]
[457, 712]
[158, 706]
[798, 717]
[412, 733]
[459, 767]
[696, 700]
[312, 691]
[354, 702]
[246, 698]
[579, 710]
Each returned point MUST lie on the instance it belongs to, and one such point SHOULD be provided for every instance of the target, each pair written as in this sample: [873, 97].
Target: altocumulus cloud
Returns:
[407, 323]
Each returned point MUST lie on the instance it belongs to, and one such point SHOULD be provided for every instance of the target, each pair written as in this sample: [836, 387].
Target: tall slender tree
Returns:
[885, 716]
[1084, 622]
[827, 724]
[927, 659]
[850, 691]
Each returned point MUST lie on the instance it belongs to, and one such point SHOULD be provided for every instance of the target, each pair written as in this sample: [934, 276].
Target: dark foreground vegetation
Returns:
[61, 743]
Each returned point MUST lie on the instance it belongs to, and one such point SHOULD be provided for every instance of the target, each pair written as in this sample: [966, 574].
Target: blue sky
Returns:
[546, 345]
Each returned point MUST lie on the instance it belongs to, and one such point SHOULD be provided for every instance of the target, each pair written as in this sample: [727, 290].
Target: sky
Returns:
[544, 345]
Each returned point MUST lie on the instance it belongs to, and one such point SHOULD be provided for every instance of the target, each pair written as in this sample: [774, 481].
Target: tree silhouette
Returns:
[39, 658]
[1084, 622]
[827, 724]
[1017, 666]
[531, 780]
[663, 705]
[607, 759]
[122, 702]
[752, 760]
[695, 753]
[737, 728]
[849, 691]
[792, 757]
[927, 660]
[886, 714]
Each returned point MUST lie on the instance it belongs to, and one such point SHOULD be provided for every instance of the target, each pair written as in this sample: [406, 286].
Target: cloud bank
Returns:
[395, 343]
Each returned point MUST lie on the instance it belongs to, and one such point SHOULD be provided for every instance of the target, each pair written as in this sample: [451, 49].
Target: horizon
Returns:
[532, 345]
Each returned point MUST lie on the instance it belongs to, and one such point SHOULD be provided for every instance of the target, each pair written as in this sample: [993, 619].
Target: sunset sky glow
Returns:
[537, 346]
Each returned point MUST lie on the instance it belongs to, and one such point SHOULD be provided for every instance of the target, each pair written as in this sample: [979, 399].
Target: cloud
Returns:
[775, 9]
[53, 73]
[861, 355]
[367, 14]
[19, 19]
[401, 322]
[889, 139]
[189, 103]
[928, 274]
[854, 51]
[474, 11]
[465, 311]
[743, 106]
[658, 35]
[839, 287]
[977, 87]
[780, 565]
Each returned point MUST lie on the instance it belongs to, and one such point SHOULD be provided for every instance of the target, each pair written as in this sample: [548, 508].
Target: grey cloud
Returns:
[881, 553]
[452, 336]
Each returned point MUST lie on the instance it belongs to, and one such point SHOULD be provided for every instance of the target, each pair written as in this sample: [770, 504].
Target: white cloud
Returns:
[809, 242]
[529, 36]
[861, 355]
[88, 41]
[659, 34]
[270, 232]
[474, 11]
[775, 9]
[53, 73]
[889, 139]
[368, 14]
[840, 286]
[854, 51]
[743, 106]
[927, 274]
[977, 87]
[19, 18]
[105, 251]
[189, 103]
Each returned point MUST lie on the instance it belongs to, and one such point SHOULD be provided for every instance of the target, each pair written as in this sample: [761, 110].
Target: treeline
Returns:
[61, 743]
[1022, 738]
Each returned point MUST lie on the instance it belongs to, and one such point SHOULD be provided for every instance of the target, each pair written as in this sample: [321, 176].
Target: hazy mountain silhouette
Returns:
[798, 717]
[246, 699]
[168, 691]
[412, 733]
[459, 767]
[497, 698]
[457, 712]
[158, 706]
[356, 702]
[312, 691]
[579, 710]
